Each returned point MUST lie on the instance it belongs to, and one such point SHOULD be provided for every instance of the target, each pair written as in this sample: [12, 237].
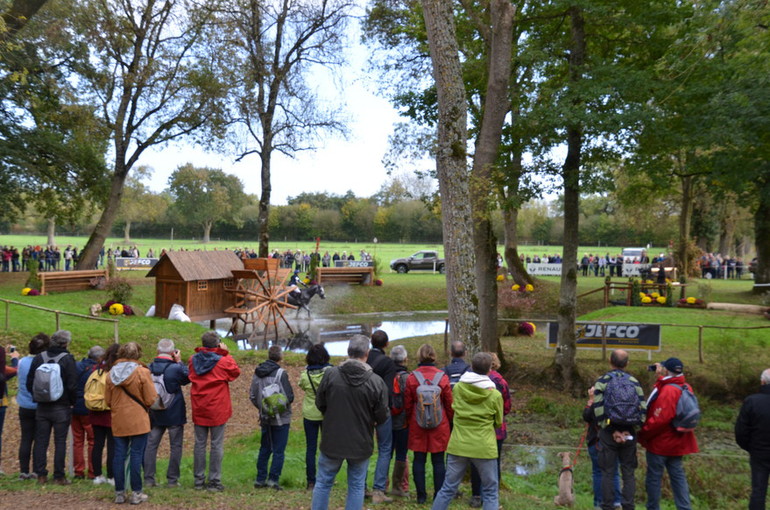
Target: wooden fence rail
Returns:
[58, 314]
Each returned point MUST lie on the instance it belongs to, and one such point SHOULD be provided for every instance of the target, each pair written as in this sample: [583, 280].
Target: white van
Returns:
[629, 254]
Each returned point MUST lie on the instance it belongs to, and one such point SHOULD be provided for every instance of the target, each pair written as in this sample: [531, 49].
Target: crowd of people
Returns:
[452, 414]
[53, 258]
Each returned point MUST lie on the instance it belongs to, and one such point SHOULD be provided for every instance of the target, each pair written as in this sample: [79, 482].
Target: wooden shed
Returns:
[197, 281]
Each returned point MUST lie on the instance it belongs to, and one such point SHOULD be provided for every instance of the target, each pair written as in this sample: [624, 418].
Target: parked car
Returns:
[422, 260]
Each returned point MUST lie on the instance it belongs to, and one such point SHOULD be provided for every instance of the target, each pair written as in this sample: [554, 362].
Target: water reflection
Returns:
[526, 460]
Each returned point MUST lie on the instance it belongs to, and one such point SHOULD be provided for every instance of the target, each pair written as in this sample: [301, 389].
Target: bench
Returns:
[329, 275]
[65, 281]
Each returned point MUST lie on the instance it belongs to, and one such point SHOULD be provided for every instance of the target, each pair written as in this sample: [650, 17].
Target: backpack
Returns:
[164, 397]
[274, 400]
[687, 410]
[48, 385]
[622, 405]
[429, 410]
[397, 407]
[93, 393]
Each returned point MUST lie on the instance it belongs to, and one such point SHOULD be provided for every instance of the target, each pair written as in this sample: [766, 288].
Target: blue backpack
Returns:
[622, 405]
[687, 410]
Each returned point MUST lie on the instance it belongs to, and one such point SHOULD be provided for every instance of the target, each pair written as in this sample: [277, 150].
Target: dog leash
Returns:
[580, 446]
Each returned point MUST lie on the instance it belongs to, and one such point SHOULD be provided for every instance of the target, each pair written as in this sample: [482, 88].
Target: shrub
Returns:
[120, 290]
[33, 280]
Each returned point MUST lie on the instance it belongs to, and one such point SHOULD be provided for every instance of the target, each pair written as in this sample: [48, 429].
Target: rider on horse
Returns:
[295, 282]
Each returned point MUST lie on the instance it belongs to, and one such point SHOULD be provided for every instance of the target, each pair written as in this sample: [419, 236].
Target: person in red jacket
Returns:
[423, 441]
[211, 371]
[665, 445]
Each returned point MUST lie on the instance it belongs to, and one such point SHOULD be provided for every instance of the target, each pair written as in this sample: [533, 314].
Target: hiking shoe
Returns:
[61, 481]
[380, 497]
[120, 497]
[215, 487]
[138, 497]
[199, 486]
[272, 484]
[475, 502]
[42, 479]
[111, 481]
[260, 485]
[149, 483]
[310, 486]
[100, 480]
[173, 485]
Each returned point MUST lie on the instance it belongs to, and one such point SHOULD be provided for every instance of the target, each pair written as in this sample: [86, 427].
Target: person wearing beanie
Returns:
[666, 445]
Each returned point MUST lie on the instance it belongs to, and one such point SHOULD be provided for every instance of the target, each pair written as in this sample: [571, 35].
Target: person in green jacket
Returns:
[317, 360]
[478, 411]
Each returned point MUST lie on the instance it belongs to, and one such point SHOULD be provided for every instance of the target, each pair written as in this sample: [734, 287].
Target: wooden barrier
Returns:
[64, 281]
[329, 275]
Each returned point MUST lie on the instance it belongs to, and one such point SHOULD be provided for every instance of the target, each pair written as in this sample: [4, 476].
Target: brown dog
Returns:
[566, 495]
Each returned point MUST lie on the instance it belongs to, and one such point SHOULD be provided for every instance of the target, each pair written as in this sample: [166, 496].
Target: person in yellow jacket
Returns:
[317, 362]
[478, 411]
[129, 393]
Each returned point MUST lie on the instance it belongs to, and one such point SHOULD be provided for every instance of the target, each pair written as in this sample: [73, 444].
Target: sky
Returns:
[339, 165]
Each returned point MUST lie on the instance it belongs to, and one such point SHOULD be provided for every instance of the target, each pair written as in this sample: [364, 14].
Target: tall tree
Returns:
[139, 204]
[151, 78]
[278, 44]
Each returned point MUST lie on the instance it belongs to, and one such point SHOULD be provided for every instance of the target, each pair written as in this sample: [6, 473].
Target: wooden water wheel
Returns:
[259, 293]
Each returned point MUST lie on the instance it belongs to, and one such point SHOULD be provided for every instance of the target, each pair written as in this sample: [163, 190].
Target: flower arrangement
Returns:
[516, 287]
[500, 278]
[378, 282]
[527, 328]
[661, 300]
[30, 291]
[692, 302]
[25, 291]
[116, 309]
[306, 281]
[646, 299]
[529, 287]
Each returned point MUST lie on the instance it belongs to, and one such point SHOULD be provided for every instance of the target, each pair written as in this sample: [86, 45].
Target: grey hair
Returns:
[165, 346]
[96, 352]
[358, 347]
[210, 339]
[398, 354]
[765, 377]
[61, 338]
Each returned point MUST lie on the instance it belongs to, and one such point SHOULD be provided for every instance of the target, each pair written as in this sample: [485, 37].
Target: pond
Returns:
[335, 331]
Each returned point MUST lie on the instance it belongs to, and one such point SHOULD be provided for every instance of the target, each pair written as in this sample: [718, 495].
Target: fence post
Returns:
[7, 315]
[56, 313]
[116, 335]
[700, 344]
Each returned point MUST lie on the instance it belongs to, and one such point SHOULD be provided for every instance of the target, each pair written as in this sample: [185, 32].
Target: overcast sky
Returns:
[338, 166]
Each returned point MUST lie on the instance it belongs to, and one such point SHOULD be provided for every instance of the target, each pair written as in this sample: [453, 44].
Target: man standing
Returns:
[752, 433]
[383, 366]
[274, 422]
[457, 367]
[212, 369]
[82, 432]
[53, 414]
[353, 400]
[664, 443]
[478, 411]
[167, 365]
[619, 407]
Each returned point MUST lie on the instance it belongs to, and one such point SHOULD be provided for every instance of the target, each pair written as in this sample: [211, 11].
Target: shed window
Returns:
[229, 283]
[203, 285]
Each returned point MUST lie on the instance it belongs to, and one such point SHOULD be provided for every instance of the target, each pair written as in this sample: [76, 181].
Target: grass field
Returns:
[543, 422]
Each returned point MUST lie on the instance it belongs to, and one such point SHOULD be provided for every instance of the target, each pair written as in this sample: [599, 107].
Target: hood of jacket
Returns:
[355, 372]
[266, 368]
[159, 365]
[473, 394]
[481, 381]
[85, 364]
[122, 370]
[205, 359]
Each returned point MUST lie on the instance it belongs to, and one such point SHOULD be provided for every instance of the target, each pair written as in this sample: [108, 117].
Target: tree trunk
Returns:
[727, 230]
[496, 106]
[685, 220]
[512, 260]
[90, 254]
[207, 231]
[51, 231]
[127, 232]
[452, 173]
[564, 358]
[762, 236]
[263, 218]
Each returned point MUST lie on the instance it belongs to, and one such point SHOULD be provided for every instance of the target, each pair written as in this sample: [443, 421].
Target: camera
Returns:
[652, 368]
[12, 348]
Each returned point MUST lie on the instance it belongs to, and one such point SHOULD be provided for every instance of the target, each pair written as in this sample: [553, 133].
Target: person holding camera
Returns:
[168, 365]
[6, 372]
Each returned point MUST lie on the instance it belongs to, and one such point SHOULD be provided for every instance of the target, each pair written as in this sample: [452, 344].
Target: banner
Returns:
[618, 335]
[134, 263]
[544, 269]
[353, 263]
[630, 270]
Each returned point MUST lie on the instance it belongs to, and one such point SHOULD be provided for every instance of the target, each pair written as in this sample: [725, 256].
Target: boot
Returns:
[399, 467]
[380, 497]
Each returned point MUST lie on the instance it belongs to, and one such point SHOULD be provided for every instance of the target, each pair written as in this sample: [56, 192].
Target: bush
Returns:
[33, 280]
[120, 290]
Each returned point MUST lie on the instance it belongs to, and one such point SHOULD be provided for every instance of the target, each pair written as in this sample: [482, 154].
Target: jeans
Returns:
[215, 457]
[312, 430]
[175, 438]
[2, 423]
[597, 477]
[760, 470]
[418, 473]
[476, 477]
[327, 471]
[610, 454]
[400, 442]
[455, 471]
[655, 466]
[102, 435]
[82, 435]
[274, 440]
[48, 417]
[136, 444]
[27, 425]
[384, 448]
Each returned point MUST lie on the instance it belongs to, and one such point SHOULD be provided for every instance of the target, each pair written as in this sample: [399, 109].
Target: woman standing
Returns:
[27, 406]
[101, 421]
[6, 372]
[428, 440]
[317, 360]
[130, 392]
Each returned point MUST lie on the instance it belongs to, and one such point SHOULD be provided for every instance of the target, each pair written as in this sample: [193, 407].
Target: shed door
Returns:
[170, 293]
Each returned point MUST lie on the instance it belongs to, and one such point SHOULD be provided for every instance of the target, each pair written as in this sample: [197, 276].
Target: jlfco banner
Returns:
[134, 263]
[618, 335]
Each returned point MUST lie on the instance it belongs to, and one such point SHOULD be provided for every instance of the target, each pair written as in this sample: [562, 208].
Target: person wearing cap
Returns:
[752, 433]
[666, 445]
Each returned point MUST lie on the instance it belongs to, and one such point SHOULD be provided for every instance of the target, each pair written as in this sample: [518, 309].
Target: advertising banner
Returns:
[134, 263]
[630, 270]
[618, 335]
[353, 263]
[544, 269]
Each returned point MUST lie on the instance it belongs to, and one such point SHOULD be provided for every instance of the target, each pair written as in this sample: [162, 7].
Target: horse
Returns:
[305, 296]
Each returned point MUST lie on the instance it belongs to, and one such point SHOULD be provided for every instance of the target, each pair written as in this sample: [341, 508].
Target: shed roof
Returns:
[201, 265]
